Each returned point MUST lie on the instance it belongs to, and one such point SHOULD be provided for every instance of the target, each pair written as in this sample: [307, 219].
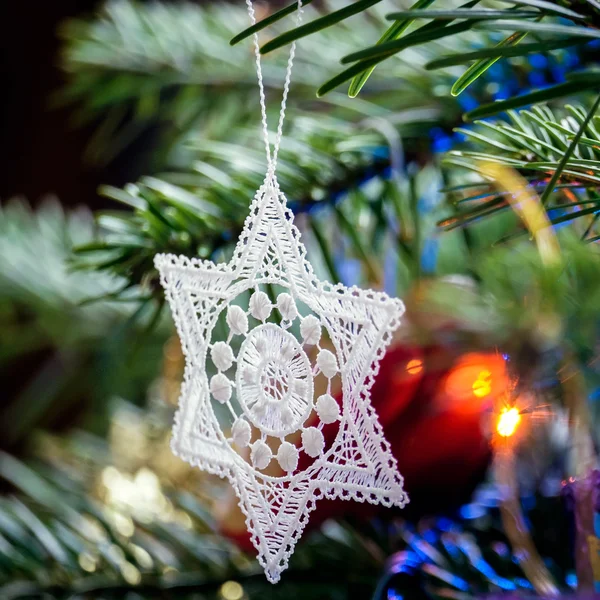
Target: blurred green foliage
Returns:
[71, 357]
[75, 526]
[168, 69]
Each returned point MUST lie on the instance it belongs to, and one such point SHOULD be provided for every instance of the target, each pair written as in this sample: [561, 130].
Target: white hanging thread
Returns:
[272, 157]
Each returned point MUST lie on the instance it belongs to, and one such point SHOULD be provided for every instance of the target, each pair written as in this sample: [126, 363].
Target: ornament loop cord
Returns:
[272, 156]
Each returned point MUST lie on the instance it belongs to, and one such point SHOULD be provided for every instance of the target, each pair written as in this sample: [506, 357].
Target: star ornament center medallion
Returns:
[266, 346]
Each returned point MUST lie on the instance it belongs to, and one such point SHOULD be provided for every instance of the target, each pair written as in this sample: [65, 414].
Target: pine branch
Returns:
[558, 151]
[564, 161]
[538, 16]
[169, 69]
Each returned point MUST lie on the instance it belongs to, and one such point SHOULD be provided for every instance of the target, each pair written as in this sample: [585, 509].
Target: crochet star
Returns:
[266, 344]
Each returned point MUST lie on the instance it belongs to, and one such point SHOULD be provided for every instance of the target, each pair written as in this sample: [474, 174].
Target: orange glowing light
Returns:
[482, 386]
[477, 377]
[414, 366]
[508, 421]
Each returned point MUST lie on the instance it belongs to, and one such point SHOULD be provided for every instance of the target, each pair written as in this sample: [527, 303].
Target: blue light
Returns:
[485, 569]
[571, 580]
[393, 595]
[572, 59]
[501, 94]
[381, 152]
[496, 71]
[451, 548]
[412, 559]
[445, 524]
[441, 141]
[430, 536]
[555, 212]
[458, 583]
[538, 61]
[523, 583]
[558, 74]
[459, 136]
[442, 144]
[472, 511]
[594, 395]
[453, 580]
[429, 255]
[488, 497]
[467, 102]
[537, 79]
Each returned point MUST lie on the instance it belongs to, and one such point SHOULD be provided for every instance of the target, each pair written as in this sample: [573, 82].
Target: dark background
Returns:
[39, 144]
[41, 147]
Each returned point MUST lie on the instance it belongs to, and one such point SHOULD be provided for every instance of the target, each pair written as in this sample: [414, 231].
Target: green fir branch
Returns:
[558, 151]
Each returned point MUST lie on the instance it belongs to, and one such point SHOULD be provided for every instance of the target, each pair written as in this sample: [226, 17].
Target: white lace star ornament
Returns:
[257, 407]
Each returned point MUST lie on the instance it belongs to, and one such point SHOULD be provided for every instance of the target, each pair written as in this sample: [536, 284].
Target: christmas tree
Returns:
[447, 154]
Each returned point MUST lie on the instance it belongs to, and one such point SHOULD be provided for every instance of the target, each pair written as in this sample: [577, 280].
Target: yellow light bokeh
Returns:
[414, 366]
[87, 562]
[508, 421]
[482, 386]
[231, 590]
[130, 573]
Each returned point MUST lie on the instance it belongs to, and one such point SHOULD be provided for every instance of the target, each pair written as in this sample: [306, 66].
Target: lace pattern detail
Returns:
[266, 343]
